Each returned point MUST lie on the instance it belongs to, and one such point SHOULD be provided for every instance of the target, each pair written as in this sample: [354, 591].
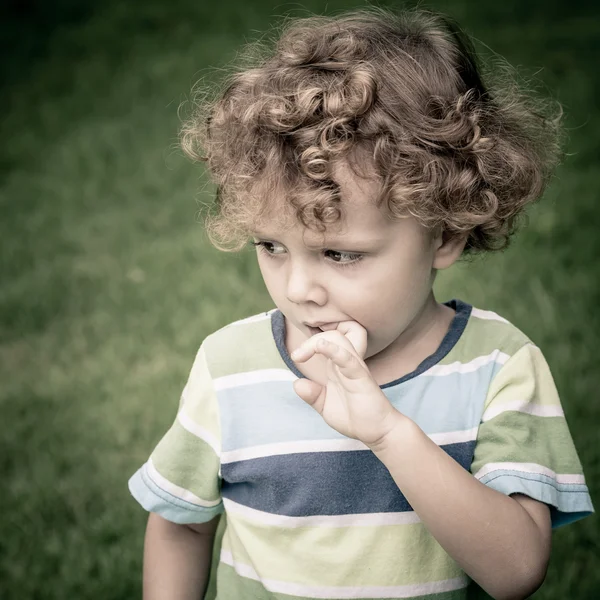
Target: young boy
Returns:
[362, 440]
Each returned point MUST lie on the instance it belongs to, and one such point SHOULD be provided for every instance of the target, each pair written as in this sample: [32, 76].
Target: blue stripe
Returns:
[271, 412]
[569, 502]
[154, 499]
[321, 483]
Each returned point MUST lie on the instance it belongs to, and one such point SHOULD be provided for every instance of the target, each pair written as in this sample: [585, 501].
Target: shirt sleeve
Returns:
[523, 442]
[181, 481]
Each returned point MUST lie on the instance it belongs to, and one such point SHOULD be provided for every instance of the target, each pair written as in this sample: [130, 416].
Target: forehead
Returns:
[361, 219]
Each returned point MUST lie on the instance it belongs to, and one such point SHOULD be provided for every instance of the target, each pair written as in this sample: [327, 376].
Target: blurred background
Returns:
[108, 284]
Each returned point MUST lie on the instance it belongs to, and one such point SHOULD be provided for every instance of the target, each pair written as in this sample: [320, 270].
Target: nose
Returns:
[303, 283]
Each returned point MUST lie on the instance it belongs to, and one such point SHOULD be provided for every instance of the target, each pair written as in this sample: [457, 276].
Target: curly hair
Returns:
[403, 90]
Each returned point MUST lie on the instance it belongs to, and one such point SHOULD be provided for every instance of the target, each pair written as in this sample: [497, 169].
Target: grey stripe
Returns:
[322, 483]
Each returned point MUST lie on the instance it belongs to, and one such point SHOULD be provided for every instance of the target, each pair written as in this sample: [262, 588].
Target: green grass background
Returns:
[108, 284]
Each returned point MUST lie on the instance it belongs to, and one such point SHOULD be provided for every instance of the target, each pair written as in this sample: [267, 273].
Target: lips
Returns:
[320, 327]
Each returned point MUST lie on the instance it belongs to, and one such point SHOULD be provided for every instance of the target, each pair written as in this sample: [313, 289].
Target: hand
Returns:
[351, 402]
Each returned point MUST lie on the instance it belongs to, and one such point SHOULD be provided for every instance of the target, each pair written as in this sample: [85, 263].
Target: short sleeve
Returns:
[524, 444]
[181, 481]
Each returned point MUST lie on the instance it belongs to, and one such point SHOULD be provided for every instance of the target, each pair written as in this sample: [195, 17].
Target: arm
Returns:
[501, 542]
[177, 559]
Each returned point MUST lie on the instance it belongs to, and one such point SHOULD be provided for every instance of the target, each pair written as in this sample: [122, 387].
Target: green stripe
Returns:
[231, 586]
[199, 396]
[255, 348]
[321, 555]
[187, 461]
[481, 337]
[525, 376]
[521, 437]
[242, 348]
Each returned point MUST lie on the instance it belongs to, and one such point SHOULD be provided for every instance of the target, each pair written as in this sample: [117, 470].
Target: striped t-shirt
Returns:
[310, 513]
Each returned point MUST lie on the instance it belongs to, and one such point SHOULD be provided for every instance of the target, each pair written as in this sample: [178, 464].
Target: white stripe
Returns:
[253, 377]
[298, 447]
[340, 445]
[260, 376]
[488, 315]
[454, 437]
[531, 468]
[175, 490]
[457, 367]
[321, 591]
[334, 521]
[523, 406]
[206, 436]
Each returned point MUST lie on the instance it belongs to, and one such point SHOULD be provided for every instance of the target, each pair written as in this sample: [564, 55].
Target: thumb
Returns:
[308, 390]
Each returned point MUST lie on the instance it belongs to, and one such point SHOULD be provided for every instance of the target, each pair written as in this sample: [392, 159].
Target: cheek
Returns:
[272, 282]
[389, 295]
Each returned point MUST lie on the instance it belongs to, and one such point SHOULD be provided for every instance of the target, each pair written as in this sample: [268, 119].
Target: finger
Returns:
[310, 392]
[304, 352]
[346, 335]
[308, 349]
[356, 335]
[344, 359]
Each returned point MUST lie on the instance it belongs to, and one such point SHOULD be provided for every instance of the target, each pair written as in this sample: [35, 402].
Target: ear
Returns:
[448, 250]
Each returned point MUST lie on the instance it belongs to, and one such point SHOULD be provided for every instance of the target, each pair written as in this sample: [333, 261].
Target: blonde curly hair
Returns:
[401, 90]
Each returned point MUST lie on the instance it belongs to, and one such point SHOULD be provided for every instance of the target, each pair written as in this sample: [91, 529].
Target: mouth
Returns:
[321, 328]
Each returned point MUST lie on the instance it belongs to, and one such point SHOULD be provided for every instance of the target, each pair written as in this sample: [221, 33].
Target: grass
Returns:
[108, 284]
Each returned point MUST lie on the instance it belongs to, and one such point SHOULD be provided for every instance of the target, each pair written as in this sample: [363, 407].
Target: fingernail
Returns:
[295, 354]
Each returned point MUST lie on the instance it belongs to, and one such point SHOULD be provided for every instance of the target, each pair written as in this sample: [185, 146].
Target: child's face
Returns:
[387, 291]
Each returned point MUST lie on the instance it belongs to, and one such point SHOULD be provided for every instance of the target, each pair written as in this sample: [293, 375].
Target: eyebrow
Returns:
[330, 242]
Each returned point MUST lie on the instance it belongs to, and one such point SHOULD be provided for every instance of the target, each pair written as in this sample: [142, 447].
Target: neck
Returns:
[418, 341]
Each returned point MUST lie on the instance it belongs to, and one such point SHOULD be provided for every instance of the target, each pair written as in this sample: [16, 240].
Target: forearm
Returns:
[490, 535]
[176, 561]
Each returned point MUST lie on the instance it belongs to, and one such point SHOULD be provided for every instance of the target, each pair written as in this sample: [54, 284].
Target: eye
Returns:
[354, 258]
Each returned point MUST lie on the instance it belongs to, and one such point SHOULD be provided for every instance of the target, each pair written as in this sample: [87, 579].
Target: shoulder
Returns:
[240, 346]
[486, 342]
[489, 333]
[520, 366]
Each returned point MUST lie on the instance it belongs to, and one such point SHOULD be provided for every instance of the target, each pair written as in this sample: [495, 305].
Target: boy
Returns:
[362, 440]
